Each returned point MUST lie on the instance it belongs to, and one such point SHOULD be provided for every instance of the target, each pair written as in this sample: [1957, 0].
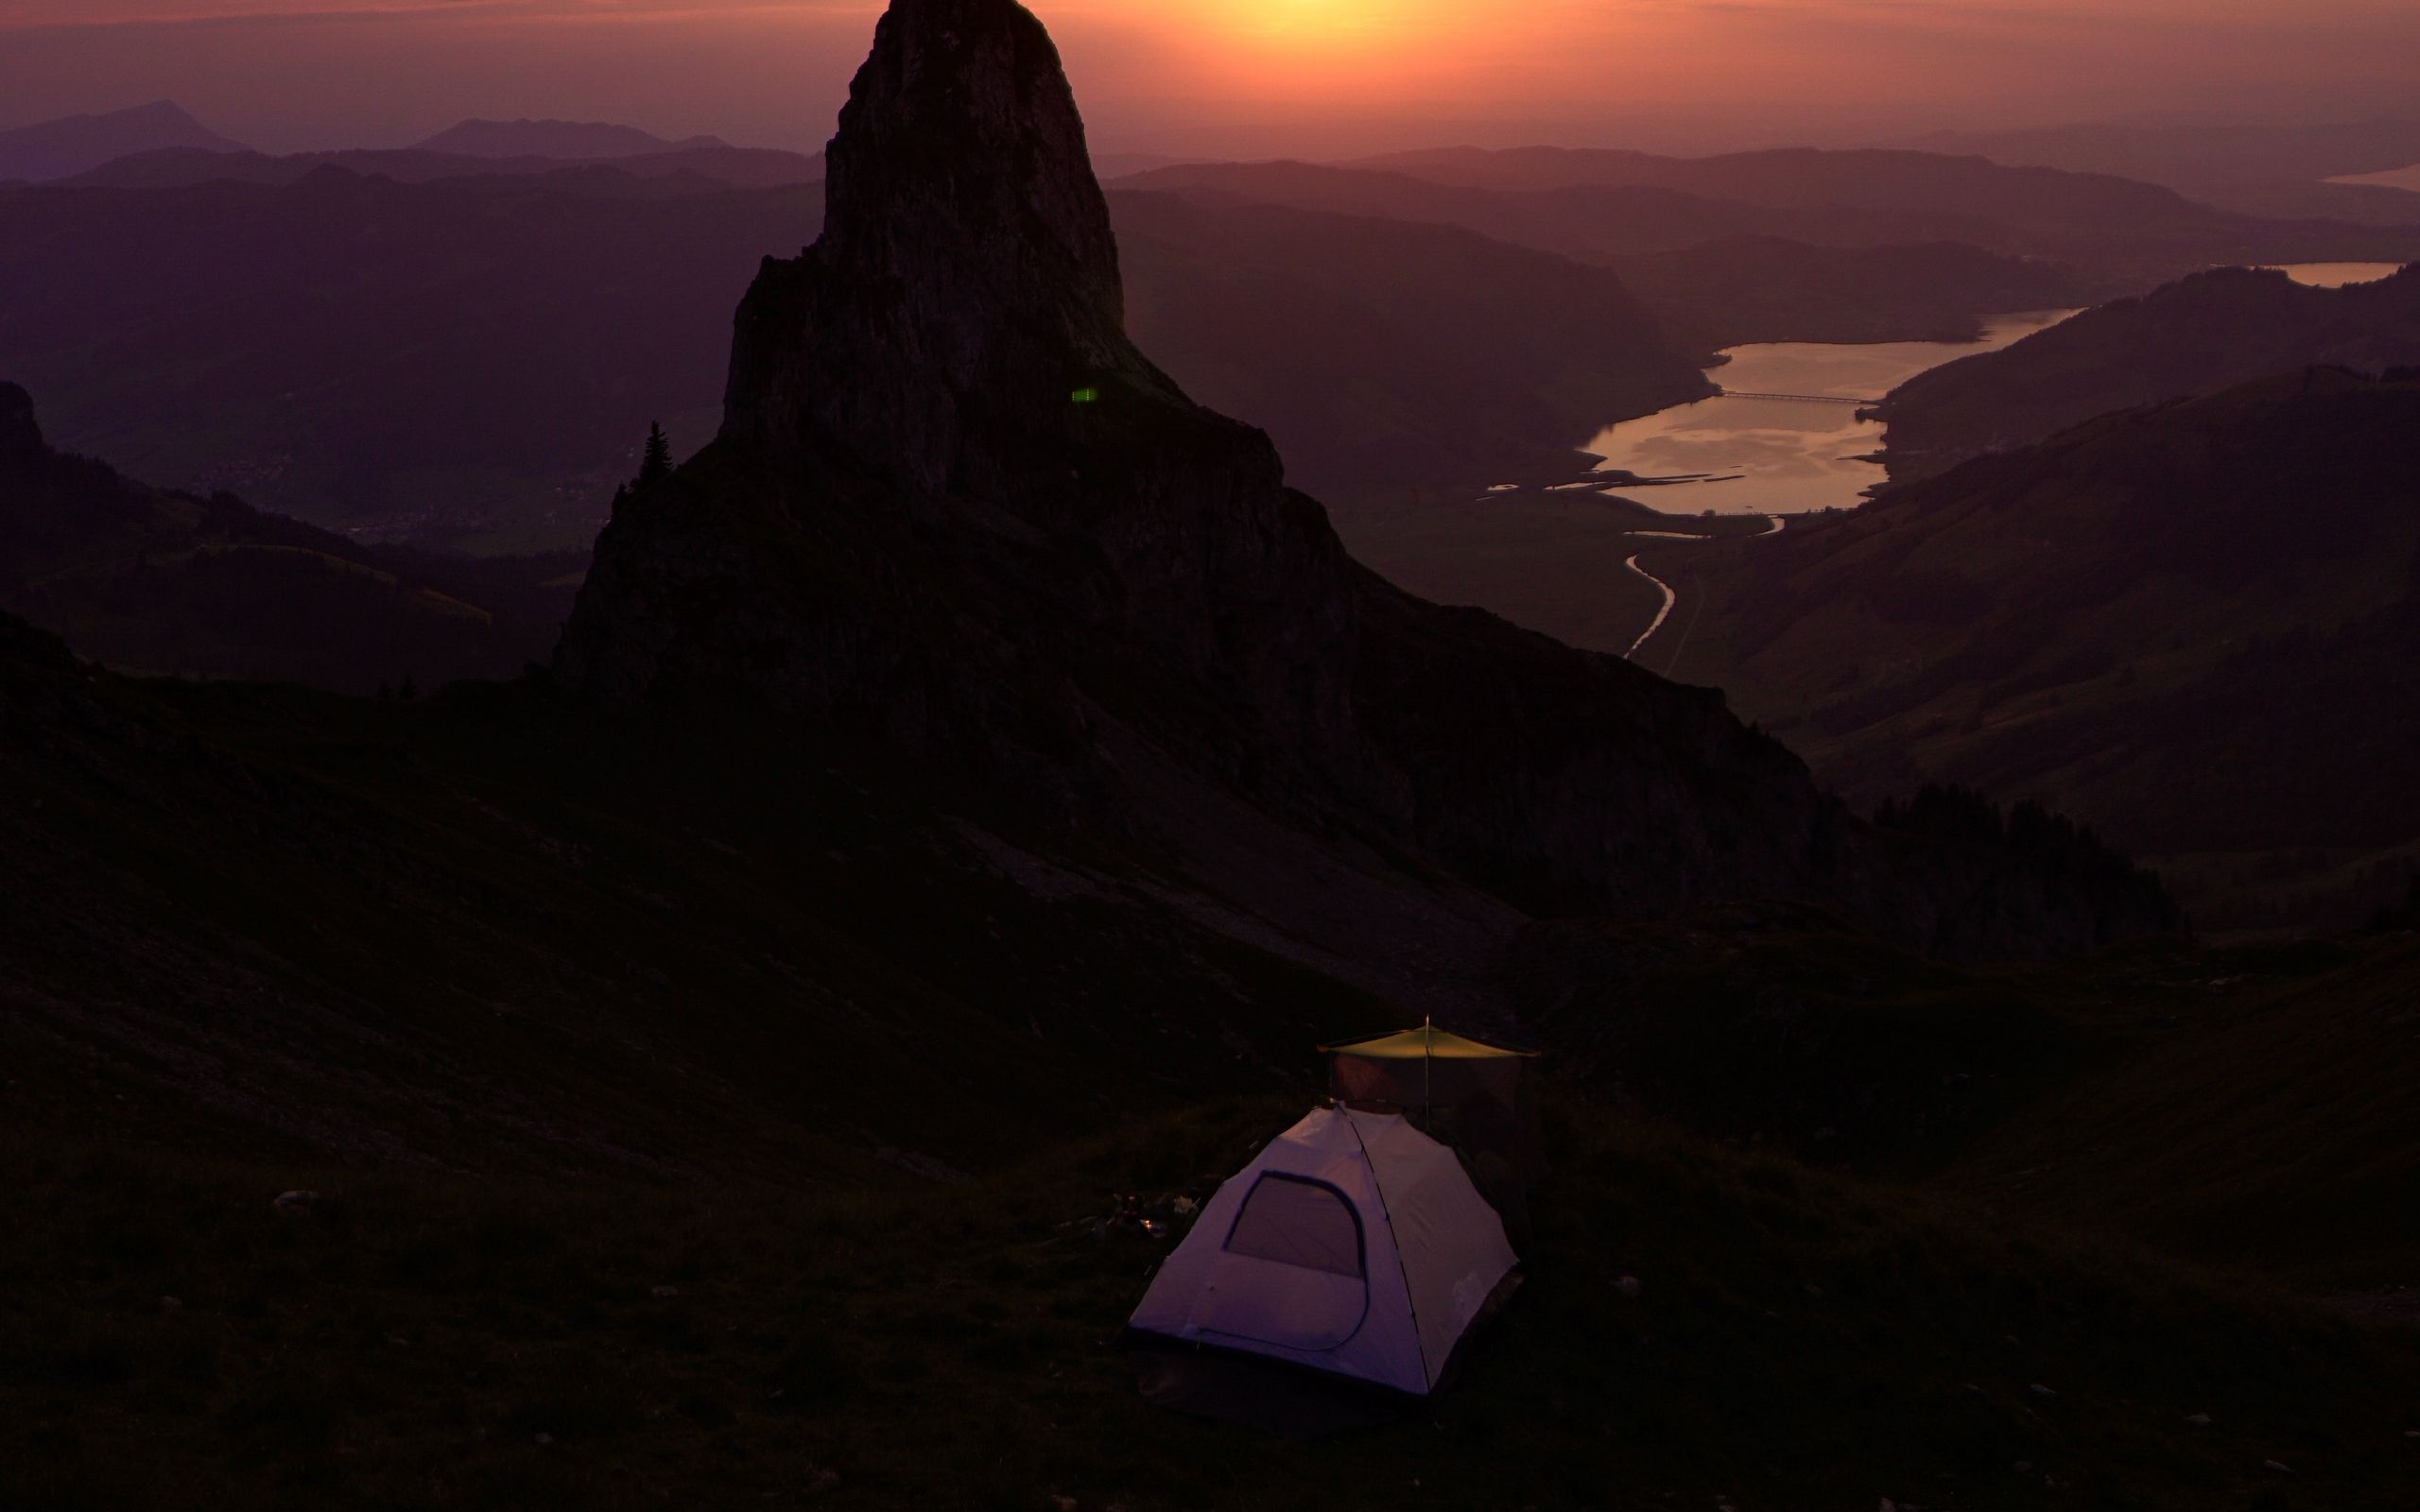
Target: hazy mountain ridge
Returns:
[702, 167]
[62, 149]
[2188, 157]
[572, 140]
[2197, 335]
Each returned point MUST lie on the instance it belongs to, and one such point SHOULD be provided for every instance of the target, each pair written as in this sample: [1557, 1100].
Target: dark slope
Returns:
[450, 363]
[427, 1340]
[488, 932]
[1377, 352]
[1747, 289]
[172, 583]
[62, 149]
[2195, 336]
[2190, 624]
[953, 510]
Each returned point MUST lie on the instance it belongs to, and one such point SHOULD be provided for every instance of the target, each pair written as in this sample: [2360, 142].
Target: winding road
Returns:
[1672, 598]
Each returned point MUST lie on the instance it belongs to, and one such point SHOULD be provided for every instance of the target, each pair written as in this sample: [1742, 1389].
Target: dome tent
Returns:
[1475, 1096]
[1353, 1245]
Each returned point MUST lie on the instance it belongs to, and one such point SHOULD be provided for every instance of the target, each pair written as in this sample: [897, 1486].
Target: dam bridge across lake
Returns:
[1804, 398]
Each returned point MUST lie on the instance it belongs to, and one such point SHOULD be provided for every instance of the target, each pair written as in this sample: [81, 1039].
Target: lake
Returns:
[2337, 275]
[1777, 455]
[1788, 455]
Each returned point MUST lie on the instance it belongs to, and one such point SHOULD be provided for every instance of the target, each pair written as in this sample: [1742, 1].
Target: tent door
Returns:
[1293, 1271]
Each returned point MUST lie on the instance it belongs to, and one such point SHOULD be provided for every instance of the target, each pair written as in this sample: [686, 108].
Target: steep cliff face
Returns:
[953, 510]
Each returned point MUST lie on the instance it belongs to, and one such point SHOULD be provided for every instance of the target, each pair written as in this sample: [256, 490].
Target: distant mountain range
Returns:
[2191, 625]
[675, 169]
[1599, 205]
[2200, 335]
[2193, 157]
[62, 149]
[575, 141]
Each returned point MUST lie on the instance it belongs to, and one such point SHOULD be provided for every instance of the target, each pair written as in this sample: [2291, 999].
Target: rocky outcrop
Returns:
[955, 513]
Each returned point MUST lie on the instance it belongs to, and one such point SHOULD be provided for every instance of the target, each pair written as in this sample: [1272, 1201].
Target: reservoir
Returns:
[1753, 455]
[1773, 455]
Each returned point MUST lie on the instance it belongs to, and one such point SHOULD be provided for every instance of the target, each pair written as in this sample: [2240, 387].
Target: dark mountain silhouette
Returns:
[2195, 336]
[442, 362]
[955, 513]
[62, 149]
[172, 583]
[694, 167]
[1748, 289]
[533, 326]
[1376, 353]
[573, 140]
[2188, 625]
[2035, 199]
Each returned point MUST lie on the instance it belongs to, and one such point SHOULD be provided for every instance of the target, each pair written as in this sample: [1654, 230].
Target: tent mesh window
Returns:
[1296, 1222]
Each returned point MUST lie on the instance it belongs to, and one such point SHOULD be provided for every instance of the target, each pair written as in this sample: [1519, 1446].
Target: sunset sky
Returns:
[1235, 75]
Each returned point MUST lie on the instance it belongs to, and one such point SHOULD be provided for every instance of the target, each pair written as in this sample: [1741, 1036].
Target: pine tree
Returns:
[655, 463]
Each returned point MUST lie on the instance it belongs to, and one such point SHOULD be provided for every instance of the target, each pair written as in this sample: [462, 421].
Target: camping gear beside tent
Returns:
[1475, 1096]
[1353, 1245]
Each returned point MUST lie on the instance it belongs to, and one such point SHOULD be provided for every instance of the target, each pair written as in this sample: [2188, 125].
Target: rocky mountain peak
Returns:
[961, 154]
[955, 517]
[967, 269]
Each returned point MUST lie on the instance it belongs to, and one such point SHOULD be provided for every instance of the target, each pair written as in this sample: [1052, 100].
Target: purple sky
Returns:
[1235, 75]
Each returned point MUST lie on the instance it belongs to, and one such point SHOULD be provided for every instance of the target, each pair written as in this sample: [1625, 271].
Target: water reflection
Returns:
[2337, 275]
[1763, 455]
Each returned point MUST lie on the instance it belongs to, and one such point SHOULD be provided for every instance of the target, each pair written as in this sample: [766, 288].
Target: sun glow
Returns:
[1337, 27]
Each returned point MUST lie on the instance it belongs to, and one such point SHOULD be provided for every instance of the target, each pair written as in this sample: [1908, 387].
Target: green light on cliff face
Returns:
[1085, 396]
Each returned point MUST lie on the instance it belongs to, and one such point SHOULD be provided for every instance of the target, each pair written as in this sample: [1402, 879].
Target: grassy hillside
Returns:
[167, 1332]
[2185, 625]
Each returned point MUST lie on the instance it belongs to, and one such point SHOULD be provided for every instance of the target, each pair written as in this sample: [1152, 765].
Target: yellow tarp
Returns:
[1430, 1043]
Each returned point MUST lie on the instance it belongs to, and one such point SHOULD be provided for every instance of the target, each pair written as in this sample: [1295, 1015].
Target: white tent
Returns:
[1353, 1244]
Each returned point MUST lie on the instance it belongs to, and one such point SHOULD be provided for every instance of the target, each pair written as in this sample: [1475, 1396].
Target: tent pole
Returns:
[1427, 1054]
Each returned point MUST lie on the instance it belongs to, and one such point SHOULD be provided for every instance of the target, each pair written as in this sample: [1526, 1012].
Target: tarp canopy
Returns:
[1473, 1095]
[1353, 1244]
[1425, 1042]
